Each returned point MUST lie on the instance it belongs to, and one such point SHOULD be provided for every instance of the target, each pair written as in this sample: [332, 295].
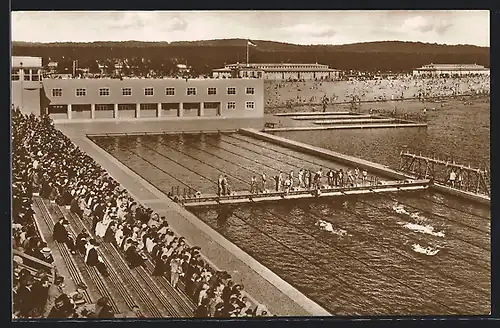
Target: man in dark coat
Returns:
[133, 258]
[61, 234]
[62, 308]
[40, 292]
[81, 241]
[25, 298]
[160, 265]
[75, 207]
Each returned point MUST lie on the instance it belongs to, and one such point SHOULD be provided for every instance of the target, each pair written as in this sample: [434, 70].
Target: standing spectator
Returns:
[54, 291]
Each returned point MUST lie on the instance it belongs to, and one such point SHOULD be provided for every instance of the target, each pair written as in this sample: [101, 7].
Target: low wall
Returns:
[483, 199]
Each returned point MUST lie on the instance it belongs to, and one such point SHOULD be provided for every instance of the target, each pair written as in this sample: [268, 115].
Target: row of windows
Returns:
[231, 105]
[34, 77]
[81, 92]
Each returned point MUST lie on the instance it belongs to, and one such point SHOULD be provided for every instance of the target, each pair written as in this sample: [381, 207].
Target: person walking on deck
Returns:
[253, 185]
[223, 186]
[219, 185]
[364, 177]
[301, 178]
[356, 176]
[319, 175]
[340, 178]
[309, 179]
[227, 187]
[453, 176]
[330, 176]
[277, 182]
[291, 180]
[281, 181]
[264, 180]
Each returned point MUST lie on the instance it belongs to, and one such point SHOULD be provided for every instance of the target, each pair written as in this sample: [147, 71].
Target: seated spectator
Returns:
[63, 308]
[101, 309]
[46, 255]
[92, 258]
[62, 235]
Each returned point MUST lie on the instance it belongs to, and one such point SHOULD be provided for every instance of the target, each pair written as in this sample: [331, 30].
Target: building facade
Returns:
[26, 83]
[73, 99]
[451, 69]
[284, 71]
[153, 98]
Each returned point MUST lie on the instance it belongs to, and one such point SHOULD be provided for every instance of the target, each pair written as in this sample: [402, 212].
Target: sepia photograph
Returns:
[242, 164]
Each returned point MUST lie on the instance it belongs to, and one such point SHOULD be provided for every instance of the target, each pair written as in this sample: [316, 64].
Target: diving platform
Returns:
[346, 127]
[312, 113]
[328, 117]
[243, 197]
[361, 120]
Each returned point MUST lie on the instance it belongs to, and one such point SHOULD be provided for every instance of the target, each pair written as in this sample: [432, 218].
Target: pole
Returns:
[22, 87]
[247, 53]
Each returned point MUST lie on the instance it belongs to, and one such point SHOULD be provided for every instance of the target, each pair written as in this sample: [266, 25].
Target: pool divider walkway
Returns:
[371, 167]
[262, 285]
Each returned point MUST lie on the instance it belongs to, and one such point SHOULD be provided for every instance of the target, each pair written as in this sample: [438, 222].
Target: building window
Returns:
[126, 106]
[211, 105]
[81, 92]
[148, 106]
[35, 78]
[191, 91]
[27, 75]
[170, 91]
[103, 91]
[148, 91]
[250, 91]
[104, 107]
[126, 91]
[212, 91]
[231, 105]
[231, 91]
[57, 92]
[259, 74]
[15, 77]
[249, 105]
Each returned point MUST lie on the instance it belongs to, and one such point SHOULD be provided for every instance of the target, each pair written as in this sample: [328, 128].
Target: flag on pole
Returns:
[251, 44]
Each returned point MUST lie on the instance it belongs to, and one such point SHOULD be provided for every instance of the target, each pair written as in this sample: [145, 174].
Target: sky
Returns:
[299, 27]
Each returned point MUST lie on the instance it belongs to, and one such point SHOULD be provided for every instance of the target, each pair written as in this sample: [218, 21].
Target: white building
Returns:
[284, 71]
[451, 69]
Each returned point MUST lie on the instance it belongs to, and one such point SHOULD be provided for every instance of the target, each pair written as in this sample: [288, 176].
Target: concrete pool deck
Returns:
[262, 284]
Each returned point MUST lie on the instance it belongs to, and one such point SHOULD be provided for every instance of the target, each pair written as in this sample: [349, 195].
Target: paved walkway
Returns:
[261, 283]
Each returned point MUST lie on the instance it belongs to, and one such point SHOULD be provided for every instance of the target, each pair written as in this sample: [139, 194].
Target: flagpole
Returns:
[247, 53]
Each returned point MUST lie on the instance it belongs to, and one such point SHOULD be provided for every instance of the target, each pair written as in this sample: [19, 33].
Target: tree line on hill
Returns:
[203, 56]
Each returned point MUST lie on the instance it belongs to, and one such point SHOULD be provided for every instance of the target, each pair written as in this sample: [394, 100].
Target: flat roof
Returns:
[26, 61]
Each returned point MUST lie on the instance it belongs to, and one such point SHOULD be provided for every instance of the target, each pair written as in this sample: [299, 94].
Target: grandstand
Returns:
[150, 272]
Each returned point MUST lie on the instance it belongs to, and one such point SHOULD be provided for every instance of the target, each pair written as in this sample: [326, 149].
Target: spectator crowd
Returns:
[47, 163]
[404, 87]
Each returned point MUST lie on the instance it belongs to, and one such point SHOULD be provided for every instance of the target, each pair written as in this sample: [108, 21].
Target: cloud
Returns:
[426, 25]
[178, 24]
[312, 30]
[128, 20]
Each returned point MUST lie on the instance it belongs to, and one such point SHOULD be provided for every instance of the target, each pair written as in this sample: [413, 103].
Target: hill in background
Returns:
[203, 56]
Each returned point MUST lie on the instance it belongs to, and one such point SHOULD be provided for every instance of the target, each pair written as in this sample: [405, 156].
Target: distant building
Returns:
[52, 66]
[451, 69]
[284, 71]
